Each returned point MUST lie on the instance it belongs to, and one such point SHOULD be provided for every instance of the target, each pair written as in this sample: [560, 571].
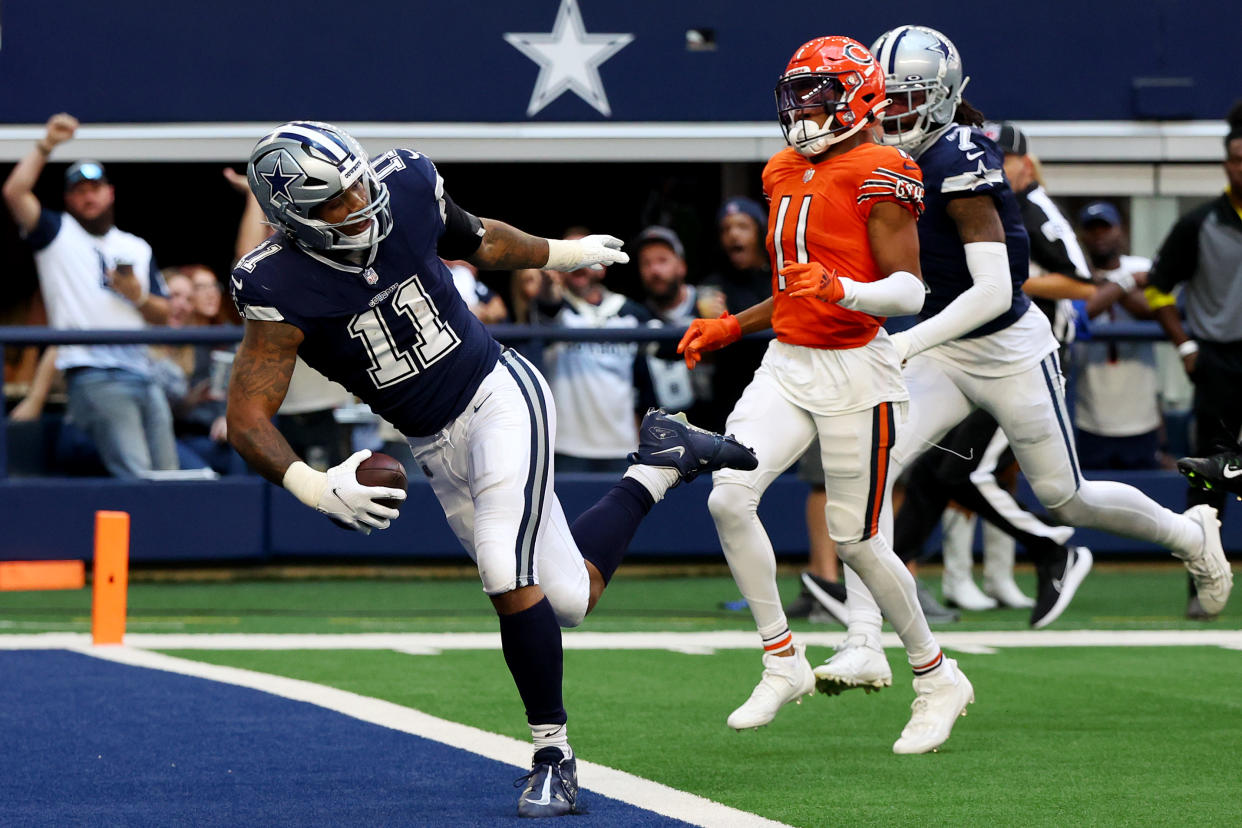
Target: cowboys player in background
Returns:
[353, 282]
[980, 343]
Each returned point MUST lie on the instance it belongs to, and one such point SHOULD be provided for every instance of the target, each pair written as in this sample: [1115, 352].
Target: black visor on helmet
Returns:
[811, 94]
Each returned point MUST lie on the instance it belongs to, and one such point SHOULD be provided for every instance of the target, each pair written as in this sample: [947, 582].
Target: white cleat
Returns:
[855, 664]
[964, 594]
[1007, 593]
[1208, 566]
[785, 679]
[940, 698]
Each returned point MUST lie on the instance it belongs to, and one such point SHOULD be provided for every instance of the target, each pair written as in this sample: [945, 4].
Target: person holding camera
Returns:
[94, 275]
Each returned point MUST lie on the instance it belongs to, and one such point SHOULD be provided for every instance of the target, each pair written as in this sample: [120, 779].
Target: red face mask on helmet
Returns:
[832, 76]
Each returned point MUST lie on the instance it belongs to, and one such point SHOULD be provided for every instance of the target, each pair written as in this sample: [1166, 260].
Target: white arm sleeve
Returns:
[898, 294]
[989, 297]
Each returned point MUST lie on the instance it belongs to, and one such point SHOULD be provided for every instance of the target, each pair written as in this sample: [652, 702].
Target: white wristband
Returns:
[1187, 348]
[563, 254]
[306, 484]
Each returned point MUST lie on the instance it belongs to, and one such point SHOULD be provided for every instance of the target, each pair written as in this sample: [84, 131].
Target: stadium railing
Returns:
[247, 519]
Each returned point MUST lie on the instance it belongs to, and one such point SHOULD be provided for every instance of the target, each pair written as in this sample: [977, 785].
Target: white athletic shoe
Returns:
[785, 679]
[963, 593]
[941, 698]
[855, 664]
[1007, 593]
[1208, 567]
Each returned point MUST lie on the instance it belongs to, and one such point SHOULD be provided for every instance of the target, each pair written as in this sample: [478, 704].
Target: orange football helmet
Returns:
[835, 76]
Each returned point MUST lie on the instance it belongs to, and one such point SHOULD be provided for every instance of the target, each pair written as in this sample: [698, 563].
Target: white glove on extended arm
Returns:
[338, 494]
[989, 297]
[589, 251]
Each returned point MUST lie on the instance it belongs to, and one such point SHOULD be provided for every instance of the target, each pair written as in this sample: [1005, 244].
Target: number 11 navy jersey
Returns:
[398, 334]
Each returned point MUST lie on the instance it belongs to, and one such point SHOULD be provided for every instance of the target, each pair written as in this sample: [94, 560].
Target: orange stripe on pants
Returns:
[883, 440]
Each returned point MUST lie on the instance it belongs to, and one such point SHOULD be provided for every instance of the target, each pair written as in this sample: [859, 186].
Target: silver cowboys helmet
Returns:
[915, 60]
[301, 165]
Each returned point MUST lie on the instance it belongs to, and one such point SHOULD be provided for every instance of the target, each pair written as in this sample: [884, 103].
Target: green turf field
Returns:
[1148, 597]
[1058, 736]
[1075, 736]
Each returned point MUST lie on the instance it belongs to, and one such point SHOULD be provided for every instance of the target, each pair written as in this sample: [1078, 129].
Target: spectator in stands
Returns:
[1118, 412]
[601, 388]
[673, 303]
[198, 410]
[486, 305]
[180, 297]
[94, 275]
[1203, 253]
[744, 279]
[524, 286]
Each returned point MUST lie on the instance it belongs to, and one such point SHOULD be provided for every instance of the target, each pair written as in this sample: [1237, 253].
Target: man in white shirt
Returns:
[94, 275]
[600, 388]
[1118, 413]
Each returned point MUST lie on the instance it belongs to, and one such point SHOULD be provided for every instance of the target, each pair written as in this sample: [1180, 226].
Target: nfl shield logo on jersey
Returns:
[808, 175]
[370, 275]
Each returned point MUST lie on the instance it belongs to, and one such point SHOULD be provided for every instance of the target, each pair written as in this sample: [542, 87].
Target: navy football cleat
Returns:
[551, 786]
[670, 440]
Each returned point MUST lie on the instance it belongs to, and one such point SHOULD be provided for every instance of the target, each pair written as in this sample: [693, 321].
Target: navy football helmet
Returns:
[923, 75]
[301, 165]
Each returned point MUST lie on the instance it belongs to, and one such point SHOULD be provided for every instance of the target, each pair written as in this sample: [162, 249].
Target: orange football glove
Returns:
[812, 280]
[708, 335]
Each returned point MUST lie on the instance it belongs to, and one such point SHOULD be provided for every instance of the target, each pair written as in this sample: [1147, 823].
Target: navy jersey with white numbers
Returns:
[965, 162]
[398, 334]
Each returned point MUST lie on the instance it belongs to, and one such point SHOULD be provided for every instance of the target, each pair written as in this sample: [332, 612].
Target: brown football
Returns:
[382, 470]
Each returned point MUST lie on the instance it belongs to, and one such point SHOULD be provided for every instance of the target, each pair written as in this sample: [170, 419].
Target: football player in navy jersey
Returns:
[980, 343]
[353, 281]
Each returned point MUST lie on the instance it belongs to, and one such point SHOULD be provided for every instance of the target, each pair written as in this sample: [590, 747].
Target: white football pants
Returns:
[491, 470]
[1030, 407]
[854, 450]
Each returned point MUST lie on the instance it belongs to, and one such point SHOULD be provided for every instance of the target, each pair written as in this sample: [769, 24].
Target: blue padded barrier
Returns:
[54, 519]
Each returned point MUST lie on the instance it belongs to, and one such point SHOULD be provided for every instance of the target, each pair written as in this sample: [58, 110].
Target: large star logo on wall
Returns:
[569, 59]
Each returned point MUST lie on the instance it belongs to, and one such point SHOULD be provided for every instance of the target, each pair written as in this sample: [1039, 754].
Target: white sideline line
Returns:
[695, 643]
[634, 790]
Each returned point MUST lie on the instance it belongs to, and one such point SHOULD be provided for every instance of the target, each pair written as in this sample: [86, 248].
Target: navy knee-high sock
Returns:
[604, 531]
[531, 640]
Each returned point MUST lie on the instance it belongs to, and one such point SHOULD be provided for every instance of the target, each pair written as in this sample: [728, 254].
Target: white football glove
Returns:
[589, 251]
[338, 494]
[901, 341]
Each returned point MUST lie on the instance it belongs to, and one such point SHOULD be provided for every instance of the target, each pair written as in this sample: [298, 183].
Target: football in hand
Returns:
[382, 470]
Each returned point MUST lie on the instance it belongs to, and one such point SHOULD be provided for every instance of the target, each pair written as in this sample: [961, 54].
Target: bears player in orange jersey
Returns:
[844, 245]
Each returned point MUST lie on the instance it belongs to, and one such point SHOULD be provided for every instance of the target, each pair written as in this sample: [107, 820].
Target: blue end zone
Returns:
[91, 742]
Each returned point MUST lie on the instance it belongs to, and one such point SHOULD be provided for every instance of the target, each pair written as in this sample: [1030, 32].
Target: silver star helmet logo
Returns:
[278, 180]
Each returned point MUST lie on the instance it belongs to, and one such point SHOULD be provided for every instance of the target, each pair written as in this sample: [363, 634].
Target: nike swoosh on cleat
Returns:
[1231, 473]
[546, 799]
[678, 449]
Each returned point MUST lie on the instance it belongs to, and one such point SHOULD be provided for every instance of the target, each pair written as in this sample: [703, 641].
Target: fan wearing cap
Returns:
[601, 389]
[1117, 419]
[661, 259]
[94, 275]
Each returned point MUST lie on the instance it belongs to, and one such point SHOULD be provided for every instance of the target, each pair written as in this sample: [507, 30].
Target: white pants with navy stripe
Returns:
[491, 470]
[1029, 405]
